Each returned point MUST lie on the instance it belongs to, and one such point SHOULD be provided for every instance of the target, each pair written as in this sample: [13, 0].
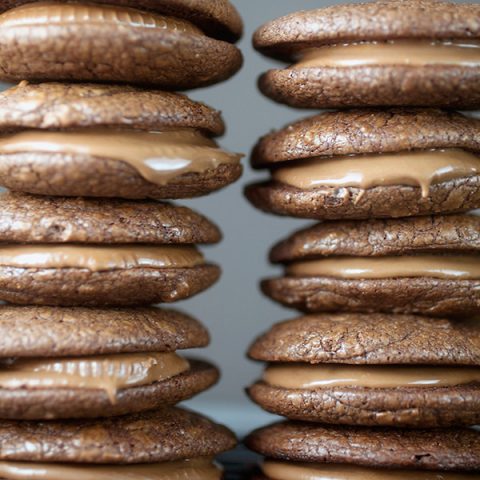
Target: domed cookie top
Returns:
[175, 44]
[110, 141]
[424, 53]
[370, 163]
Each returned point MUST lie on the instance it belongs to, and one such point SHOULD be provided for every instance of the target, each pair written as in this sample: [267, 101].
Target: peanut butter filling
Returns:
[104, 372]
[275, 470]
[417, 169]
[436, 266]
[194, 469]
[158, 157]
[59, 13]
[418, 53]
[98, 258]
[306, 376]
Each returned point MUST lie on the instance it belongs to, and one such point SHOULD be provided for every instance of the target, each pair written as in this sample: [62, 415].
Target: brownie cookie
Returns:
[92, 253]
[370, 163]
[421, 265]
[371, 369]
[174, 44]
[302, 450]
[384, 53]
[163, 444]
[97, 363]
[110, 141]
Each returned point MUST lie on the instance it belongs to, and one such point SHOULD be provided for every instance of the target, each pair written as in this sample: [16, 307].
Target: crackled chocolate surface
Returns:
[164, 435]
[438, 449]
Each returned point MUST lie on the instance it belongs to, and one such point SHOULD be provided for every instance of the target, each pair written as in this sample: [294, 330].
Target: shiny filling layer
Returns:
[57, 13]
[417, 169]
[99, 257]
[194, 469]
[309, 471]
[305, 376]
[105, 372]
[159, 157]
[417, 53]
[437, 266]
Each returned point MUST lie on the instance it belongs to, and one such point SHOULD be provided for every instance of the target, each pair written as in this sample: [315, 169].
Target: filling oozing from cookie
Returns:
[416, 168]
[418, 53]
[192, 469]
[277, 470]
[85, 13]
[306, 376]
[104, 372]
[457, 267]
[97, 258]
[159, 157]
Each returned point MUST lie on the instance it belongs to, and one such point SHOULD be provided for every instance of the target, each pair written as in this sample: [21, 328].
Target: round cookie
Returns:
[370, 164]
[167, 44]
[97, 363]
[436, 451]
[421, 265]
[92, 253]
[386, 53]
[110, 141]
[171, 441]
[375, 369]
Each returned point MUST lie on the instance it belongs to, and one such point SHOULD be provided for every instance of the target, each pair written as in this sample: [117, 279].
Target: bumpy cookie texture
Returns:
[124, 287]
[368, 131]
[160, 436]
[370, 339]
[60, 332]
[372, 238]
[423, 296]
[65, 403]
[439, 449]
[35, 219]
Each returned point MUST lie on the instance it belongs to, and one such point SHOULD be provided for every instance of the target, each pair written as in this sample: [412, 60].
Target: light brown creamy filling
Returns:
[418, 169]
[158, 157]
[194, 469]
[105, 372]
[437, 266]
[310, 471]
[396, 52]
[99, 257]
[306, 376]
[58, 13]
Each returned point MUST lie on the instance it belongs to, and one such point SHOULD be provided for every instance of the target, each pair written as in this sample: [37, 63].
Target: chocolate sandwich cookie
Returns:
[167, 444]
[176, 44]
[370, 163]
[87, 252]
[110, 141]
[371, 369]
[422, 265]
[300, 450]
[85, 362]
[423, 53]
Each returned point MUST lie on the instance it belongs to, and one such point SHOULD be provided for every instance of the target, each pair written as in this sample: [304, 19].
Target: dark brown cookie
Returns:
[419, 74]
[440, 449]
[74, 42]
[164, 435]
[411, 138]
[103, 114]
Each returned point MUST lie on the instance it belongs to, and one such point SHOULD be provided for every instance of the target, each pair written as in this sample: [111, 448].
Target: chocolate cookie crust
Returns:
[370, 339]
[93, 331]
[65, 403]
[439, 449]
[34, 219]
[164, 435]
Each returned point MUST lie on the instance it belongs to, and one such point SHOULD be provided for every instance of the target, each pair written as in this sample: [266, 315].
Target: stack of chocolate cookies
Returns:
[90, 370]
[381, 376]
